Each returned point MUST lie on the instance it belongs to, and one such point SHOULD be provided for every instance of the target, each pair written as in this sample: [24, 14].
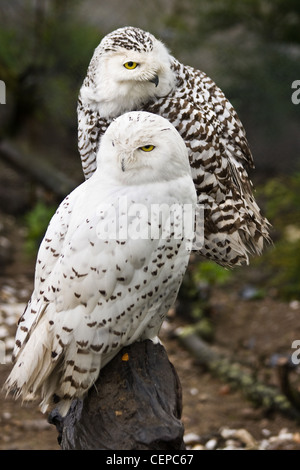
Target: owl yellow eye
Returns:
[147, 148]
[130, 65]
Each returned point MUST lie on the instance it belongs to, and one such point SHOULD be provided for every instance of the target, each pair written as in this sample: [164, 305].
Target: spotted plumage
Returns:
[218, 149]
[110, 264]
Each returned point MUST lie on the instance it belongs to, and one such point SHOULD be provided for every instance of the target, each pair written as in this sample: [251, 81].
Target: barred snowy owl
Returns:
[132, 70]
[111, 263]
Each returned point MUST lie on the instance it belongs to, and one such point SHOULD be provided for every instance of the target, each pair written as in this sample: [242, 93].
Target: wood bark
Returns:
[136, 404]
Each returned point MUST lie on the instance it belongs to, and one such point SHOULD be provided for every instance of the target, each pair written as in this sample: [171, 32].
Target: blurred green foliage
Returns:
[36, 222]
[211, 273]
[275, 20]
[196, 294]
[45, 49]
[249, 47]
[282, 195]
[282, 262]
[254, 54]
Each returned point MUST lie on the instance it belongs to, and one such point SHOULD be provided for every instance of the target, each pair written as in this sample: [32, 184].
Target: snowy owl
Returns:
[132, 70]
[110, 264]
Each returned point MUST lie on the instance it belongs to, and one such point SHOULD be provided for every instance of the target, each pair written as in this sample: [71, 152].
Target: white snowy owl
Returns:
[132, 70]
[110, 264]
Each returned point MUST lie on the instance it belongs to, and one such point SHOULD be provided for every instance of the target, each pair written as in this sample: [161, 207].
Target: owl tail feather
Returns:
[78, 373]
[34, 364]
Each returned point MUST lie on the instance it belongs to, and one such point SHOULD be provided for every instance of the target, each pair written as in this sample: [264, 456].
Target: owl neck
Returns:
[109, 109]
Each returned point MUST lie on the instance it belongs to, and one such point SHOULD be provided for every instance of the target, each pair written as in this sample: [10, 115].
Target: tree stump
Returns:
[136, 404]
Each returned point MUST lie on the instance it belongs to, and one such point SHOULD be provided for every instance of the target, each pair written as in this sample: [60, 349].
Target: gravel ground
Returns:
[215, 415]
[210, 408]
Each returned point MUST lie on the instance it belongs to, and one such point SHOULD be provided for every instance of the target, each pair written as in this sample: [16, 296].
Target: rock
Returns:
[211, 444]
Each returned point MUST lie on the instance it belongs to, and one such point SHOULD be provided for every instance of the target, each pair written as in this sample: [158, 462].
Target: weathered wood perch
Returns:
[136, 404]
[37, 169]
[231, 372]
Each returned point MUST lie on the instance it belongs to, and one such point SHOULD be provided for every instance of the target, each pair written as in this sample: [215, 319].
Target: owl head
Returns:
[128, 68]
[139, 148]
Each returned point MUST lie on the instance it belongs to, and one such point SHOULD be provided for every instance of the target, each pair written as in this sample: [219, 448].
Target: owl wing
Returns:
[48, 255]
[90, 129]
[116, 281]
[219, 153]
[229, 123]
[101, 294]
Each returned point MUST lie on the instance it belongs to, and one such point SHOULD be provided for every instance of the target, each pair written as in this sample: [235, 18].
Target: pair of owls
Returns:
[152, 132]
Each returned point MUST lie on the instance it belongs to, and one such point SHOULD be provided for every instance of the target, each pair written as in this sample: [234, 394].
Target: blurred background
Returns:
[251, 49]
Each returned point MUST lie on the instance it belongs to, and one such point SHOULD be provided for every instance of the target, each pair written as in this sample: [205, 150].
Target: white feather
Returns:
[219, 153]
[93, 295]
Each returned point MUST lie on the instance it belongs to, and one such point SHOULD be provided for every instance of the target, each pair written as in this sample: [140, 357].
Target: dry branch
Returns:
[37, 169]
[232, 372]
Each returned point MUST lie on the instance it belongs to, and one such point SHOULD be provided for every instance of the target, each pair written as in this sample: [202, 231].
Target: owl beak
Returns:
[155, 80]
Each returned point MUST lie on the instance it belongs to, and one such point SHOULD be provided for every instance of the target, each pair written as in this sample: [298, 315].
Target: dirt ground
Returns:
[214, 414]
